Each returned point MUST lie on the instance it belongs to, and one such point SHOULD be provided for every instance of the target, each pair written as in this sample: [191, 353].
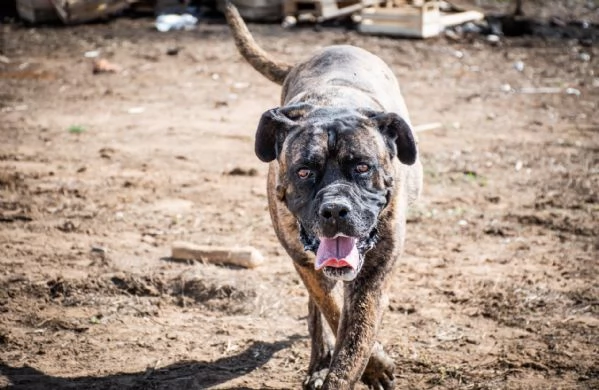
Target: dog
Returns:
[343, 170]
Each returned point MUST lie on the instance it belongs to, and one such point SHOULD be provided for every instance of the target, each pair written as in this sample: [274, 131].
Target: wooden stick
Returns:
[247, 257]
[428, 126]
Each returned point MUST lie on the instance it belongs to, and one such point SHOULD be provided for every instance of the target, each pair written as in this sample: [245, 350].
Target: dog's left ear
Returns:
[273, 128]
[398, 135]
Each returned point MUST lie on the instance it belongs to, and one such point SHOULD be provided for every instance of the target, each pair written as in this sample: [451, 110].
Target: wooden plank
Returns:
[78, 11]
[394, 30]
[247, 257]
[322, 10]
[460, 17]
[411, 21]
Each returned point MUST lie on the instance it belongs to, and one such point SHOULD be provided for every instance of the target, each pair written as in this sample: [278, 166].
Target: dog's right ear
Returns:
[273, 128]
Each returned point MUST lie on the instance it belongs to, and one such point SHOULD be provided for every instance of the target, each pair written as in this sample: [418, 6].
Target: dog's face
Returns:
[336, 176]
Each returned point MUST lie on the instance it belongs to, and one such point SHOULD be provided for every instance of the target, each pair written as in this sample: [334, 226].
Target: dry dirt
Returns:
[100, 173]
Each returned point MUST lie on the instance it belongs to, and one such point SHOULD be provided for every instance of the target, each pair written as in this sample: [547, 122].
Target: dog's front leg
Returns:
[355, 344]
[322, 304]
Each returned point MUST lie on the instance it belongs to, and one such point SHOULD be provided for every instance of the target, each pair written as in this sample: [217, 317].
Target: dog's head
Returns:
[336, 176]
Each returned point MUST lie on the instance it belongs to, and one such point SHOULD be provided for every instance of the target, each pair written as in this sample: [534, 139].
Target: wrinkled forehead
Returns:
[344, 140]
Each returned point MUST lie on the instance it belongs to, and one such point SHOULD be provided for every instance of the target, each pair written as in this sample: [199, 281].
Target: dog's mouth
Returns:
[339, 257]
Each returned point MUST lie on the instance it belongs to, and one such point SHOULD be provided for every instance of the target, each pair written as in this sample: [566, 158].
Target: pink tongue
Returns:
[337, 252]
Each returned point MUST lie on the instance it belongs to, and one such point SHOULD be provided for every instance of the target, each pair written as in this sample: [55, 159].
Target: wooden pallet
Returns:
[408, 20]
[321, 10]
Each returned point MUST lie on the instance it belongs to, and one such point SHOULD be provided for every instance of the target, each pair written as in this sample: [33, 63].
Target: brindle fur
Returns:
[343, 100]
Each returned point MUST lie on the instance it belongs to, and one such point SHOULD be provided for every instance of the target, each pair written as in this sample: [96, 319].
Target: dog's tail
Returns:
[272, 69]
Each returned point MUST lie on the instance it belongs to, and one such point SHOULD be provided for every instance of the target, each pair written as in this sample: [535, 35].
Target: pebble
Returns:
[519, 165]
[492, 38]
[91, 54]
[519, 66]
[136, 110]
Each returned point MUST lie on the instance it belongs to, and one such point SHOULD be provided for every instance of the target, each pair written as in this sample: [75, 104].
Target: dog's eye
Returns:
[362, 168]
[304, 173]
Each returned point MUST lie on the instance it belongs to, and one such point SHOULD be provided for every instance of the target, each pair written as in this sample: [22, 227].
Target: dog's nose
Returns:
[334, 211]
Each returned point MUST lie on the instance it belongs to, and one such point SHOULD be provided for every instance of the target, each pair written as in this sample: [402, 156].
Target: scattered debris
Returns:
[67, 227]
[171, 22]
[69, 11]
[321, 10]
[98, 249]
[542, 90]
[91, 54]
[493, 38]
[136, 110]
[428, 126]
[106, 152]
[238, 171]
[418, 20]
[246, 257]
[79, 11]
[519, 66]
[102, 65]
[15, 216]
[173, 51]
[241, 85]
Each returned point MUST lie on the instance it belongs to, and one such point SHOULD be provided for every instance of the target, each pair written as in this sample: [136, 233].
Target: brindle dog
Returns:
[343, 169]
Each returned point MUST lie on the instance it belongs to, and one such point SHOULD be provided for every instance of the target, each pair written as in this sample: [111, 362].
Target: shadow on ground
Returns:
[182, 375]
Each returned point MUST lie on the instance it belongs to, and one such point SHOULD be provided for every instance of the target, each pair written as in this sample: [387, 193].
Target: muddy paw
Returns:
[315, 380]
[379, 371]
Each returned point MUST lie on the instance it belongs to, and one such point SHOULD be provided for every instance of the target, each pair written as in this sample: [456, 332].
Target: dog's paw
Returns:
[379, 371]
[315, 380]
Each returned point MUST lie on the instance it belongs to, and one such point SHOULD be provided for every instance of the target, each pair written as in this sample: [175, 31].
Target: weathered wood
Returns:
[79, 11]
[247, 257]
[322, 10]
[401, 19]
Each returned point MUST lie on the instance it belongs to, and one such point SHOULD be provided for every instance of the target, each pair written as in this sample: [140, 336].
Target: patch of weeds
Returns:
[447, 374]
[76, 129]
[473, 177]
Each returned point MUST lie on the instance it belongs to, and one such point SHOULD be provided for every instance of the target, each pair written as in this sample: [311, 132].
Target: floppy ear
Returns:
[398, 135]
[274, 126]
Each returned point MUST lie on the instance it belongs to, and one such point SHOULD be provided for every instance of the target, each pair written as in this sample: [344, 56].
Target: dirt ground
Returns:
[101, 173]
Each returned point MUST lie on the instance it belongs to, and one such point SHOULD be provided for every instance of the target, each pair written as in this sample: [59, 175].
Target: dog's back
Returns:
[345, 75]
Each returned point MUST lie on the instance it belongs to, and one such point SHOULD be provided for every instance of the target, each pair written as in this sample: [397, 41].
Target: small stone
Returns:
[519, 165]
[492, 38]
[98, 249]
[519, 66]
[91, 54]
[136, 110]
